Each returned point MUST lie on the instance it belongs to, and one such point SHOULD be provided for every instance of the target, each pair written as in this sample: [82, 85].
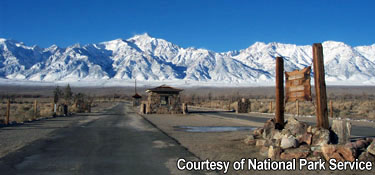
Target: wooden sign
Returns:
[298, 85]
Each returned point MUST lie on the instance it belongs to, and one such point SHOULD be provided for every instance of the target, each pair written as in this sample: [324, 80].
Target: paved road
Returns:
[117, 142]
[360, 131]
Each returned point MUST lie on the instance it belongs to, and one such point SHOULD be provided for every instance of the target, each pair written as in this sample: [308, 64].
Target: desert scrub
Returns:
[371, 115]
[259, 106]
[45, 110]
[21, 113]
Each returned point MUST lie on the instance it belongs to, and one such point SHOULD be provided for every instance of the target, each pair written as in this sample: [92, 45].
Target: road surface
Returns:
[115, 142]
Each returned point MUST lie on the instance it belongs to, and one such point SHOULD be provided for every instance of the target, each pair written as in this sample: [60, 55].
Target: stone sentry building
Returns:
[163, 100]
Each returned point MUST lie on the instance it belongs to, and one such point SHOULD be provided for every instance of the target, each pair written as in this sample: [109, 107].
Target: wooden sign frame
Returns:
[297, 85]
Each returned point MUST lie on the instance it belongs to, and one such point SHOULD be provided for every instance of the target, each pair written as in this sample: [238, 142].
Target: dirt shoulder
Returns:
[224, 146]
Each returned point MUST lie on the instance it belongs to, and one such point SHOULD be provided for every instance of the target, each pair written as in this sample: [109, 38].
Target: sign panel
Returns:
[298, 85]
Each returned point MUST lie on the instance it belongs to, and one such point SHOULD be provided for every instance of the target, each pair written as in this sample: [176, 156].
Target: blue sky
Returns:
[219, 25]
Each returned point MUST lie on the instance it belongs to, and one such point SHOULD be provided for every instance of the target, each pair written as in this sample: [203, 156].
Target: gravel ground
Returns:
[224, 146]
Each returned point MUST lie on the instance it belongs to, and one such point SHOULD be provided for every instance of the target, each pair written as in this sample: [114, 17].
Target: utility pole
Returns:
[135, 87]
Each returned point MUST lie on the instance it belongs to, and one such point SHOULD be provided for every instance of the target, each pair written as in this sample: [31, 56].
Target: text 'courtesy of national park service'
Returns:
[269, 165]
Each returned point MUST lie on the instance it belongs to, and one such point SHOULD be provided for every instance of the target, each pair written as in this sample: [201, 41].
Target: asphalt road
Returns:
[115, 142]
[357, 131]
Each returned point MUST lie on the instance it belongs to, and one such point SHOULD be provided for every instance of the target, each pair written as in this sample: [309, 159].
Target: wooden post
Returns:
[330, 109]
[270, 107]
[35, 108]
[320, 87]
[8, 113]
[249, 105]
[279, 113]
[297, 107]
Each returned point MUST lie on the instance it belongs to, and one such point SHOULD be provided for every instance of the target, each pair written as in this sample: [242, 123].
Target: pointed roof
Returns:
[164, 88]
[136, 96]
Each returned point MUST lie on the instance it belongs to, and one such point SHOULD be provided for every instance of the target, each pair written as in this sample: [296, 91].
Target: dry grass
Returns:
[348, 102]
[22, 109]
[354, 109]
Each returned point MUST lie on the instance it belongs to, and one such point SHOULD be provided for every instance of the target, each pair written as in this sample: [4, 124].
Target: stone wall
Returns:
[342, 131]
[154, 105]
[299, 140]
[142, 109]
[243, 106]
[184, 108]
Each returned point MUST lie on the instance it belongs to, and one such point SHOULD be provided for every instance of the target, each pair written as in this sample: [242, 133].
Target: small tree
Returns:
[79, 100]
[209, 96]
[57, 93]
[68, 94]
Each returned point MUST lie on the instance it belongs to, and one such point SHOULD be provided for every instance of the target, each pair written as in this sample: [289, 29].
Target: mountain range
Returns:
[145, 58]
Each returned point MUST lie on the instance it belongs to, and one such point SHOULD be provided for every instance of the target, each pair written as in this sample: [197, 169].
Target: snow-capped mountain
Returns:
[150, 59]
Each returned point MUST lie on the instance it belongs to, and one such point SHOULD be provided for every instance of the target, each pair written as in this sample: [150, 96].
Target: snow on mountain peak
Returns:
[115, 44]
[141, 37]
[52, 47]
[147, 58]
[335, 45]
[2, 40]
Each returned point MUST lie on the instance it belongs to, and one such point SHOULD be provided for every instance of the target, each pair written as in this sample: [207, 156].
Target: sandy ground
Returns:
[224, 146]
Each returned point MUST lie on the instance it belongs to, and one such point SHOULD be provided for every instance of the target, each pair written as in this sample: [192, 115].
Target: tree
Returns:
[193, 98]
[57, 93]
[209, 96]
[79, 100]
[68, 94]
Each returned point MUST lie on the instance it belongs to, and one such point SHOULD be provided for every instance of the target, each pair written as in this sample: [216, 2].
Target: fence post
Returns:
[270, 107]
[320, 87]
[297, 106]
[35, 109]
[279, 113]
[8, 113]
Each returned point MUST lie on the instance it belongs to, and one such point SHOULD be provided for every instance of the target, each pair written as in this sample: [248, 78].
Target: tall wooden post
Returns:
[330, 109]
[320, 87]
[8, 113]
[297, 107]
[279, 113]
